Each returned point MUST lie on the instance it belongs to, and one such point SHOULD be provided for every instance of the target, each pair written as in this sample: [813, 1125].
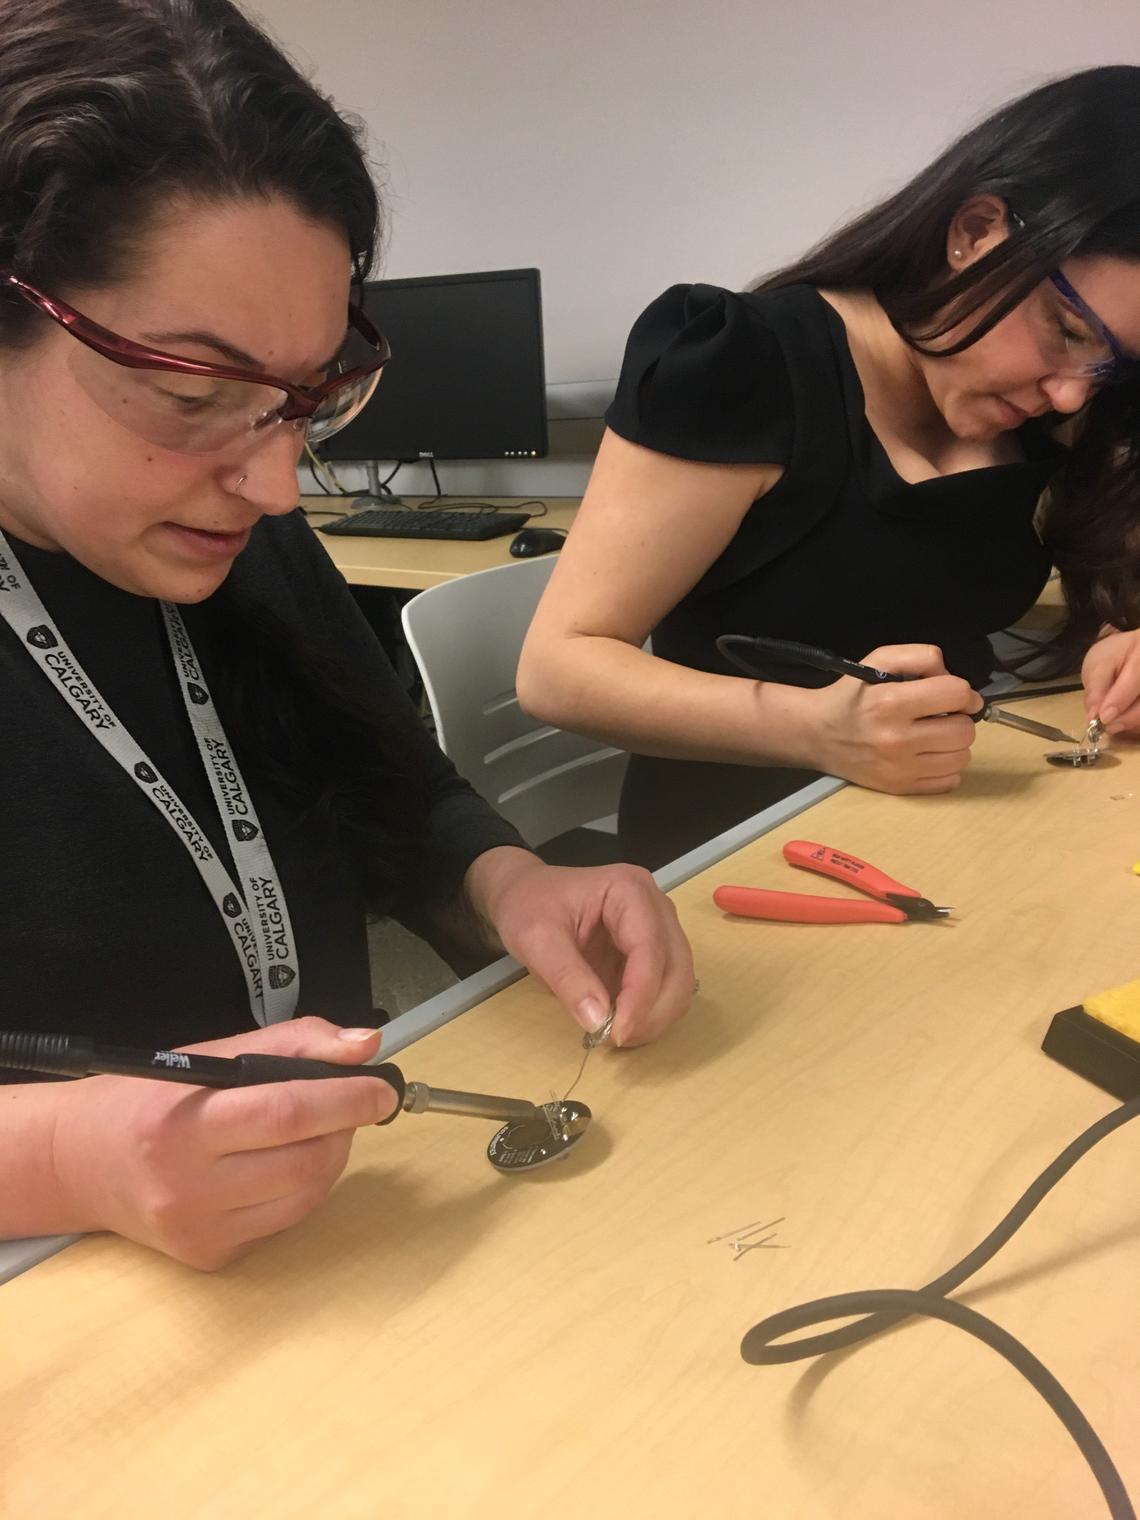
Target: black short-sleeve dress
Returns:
[842, 553]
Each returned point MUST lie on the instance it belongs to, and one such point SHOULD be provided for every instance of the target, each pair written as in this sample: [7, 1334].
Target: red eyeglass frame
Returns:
[304, 400]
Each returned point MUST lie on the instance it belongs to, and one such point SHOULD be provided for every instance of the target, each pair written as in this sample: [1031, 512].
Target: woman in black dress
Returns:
[210, 774]
[852, 455]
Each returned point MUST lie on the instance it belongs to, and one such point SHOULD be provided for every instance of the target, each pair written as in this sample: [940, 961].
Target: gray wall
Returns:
[622, 146]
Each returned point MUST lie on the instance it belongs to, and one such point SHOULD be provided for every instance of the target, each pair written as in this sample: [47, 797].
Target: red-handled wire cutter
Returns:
[895, 903]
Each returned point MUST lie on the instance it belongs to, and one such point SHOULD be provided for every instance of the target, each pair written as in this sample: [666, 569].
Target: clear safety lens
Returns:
[198, 414]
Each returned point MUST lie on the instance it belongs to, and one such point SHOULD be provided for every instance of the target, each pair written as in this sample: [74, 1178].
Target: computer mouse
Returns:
[532, 541]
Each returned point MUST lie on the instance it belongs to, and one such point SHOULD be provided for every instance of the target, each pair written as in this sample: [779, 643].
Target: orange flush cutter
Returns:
[892, 903]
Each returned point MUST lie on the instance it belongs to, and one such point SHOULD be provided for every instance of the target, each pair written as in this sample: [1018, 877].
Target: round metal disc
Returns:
[1074, 757]
[526, 1143]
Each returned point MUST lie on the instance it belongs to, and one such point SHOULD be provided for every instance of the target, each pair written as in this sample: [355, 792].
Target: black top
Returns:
[842, 553]
[106, 928]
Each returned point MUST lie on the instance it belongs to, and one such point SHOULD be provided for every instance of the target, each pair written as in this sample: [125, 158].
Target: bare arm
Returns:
[649, 527]
[32, 1202]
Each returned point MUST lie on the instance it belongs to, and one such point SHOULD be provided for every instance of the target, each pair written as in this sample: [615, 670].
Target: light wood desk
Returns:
[413, 564]
[444, 1341]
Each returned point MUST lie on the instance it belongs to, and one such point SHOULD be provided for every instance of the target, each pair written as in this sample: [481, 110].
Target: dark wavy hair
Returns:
[108, 109]
[1065, 158]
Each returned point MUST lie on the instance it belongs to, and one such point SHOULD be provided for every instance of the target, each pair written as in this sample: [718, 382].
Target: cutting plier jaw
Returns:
[916, 907]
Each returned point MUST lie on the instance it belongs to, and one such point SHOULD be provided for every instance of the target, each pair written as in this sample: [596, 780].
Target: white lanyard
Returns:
[257, 918]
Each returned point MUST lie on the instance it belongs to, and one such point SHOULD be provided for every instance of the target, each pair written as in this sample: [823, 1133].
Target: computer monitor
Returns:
[466, 377]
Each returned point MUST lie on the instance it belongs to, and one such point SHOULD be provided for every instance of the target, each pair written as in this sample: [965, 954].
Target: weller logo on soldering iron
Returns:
[171, 1058]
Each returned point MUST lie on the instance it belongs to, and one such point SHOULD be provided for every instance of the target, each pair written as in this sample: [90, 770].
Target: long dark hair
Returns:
[108, 109]
[1065, 158]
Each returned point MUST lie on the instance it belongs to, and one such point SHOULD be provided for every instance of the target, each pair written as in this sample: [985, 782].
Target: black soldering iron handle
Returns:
[54, 1055]
[62, 1055]
[823, 660]
[788, 652]
[255, 1068]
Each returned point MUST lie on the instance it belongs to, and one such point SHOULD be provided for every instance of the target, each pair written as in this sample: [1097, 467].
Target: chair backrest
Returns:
[466, 636]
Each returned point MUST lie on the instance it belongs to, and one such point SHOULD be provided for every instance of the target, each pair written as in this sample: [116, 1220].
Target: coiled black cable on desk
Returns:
[885, 1307]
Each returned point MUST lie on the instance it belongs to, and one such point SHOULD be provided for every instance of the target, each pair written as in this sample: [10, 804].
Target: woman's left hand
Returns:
[598, 936]
[1111, 676]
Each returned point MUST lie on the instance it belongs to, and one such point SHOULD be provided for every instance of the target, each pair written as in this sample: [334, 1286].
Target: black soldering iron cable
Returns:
[885, 1307]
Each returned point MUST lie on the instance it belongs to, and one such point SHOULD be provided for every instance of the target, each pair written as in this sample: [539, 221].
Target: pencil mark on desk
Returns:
[741, 1249]
[741, 1242]
[744, 1231]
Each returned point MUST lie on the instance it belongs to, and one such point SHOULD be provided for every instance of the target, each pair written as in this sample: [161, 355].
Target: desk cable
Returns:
[322, 472]
[886, 1307]
[452, 503]
[321, 469]
[1027, 695]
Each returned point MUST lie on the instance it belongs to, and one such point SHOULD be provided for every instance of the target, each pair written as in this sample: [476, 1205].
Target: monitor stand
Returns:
[378, 495]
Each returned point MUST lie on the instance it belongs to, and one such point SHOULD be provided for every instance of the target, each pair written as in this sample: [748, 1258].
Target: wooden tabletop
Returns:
[441, 1340]
[413, 564]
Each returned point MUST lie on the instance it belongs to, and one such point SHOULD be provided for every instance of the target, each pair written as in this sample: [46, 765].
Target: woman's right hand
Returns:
[905, 736]
[204, 1174]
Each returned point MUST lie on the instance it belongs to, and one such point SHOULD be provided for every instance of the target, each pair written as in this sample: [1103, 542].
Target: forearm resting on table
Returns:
[33, 1200]
[627, 697]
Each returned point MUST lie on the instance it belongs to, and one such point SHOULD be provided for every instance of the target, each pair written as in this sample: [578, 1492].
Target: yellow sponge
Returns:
[1119, 1008]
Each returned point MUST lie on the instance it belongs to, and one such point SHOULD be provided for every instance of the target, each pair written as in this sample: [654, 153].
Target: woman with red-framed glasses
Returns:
[211, 775]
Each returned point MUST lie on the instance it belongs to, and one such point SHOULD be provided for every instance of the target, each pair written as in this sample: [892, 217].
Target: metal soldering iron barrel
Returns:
[419, 1098]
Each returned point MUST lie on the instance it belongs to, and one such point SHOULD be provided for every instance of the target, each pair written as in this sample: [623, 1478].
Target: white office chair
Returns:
[466, 636]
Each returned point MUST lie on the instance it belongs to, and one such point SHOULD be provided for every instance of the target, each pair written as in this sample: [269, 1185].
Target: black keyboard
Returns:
[393, 522]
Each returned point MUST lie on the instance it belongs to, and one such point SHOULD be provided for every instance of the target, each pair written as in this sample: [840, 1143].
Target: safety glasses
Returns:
[1073, 340]
[192, 407]
[1089, 351]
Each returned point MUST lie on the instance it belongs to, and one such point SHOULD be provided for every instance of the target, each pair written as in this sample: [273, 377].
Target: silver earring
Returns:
[241, 482]
[957, 255]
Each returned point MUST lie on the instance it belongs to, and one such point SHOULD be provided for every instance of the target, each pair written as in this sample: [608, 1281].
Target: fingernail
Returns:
[591, 1014]
[356, 1036]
